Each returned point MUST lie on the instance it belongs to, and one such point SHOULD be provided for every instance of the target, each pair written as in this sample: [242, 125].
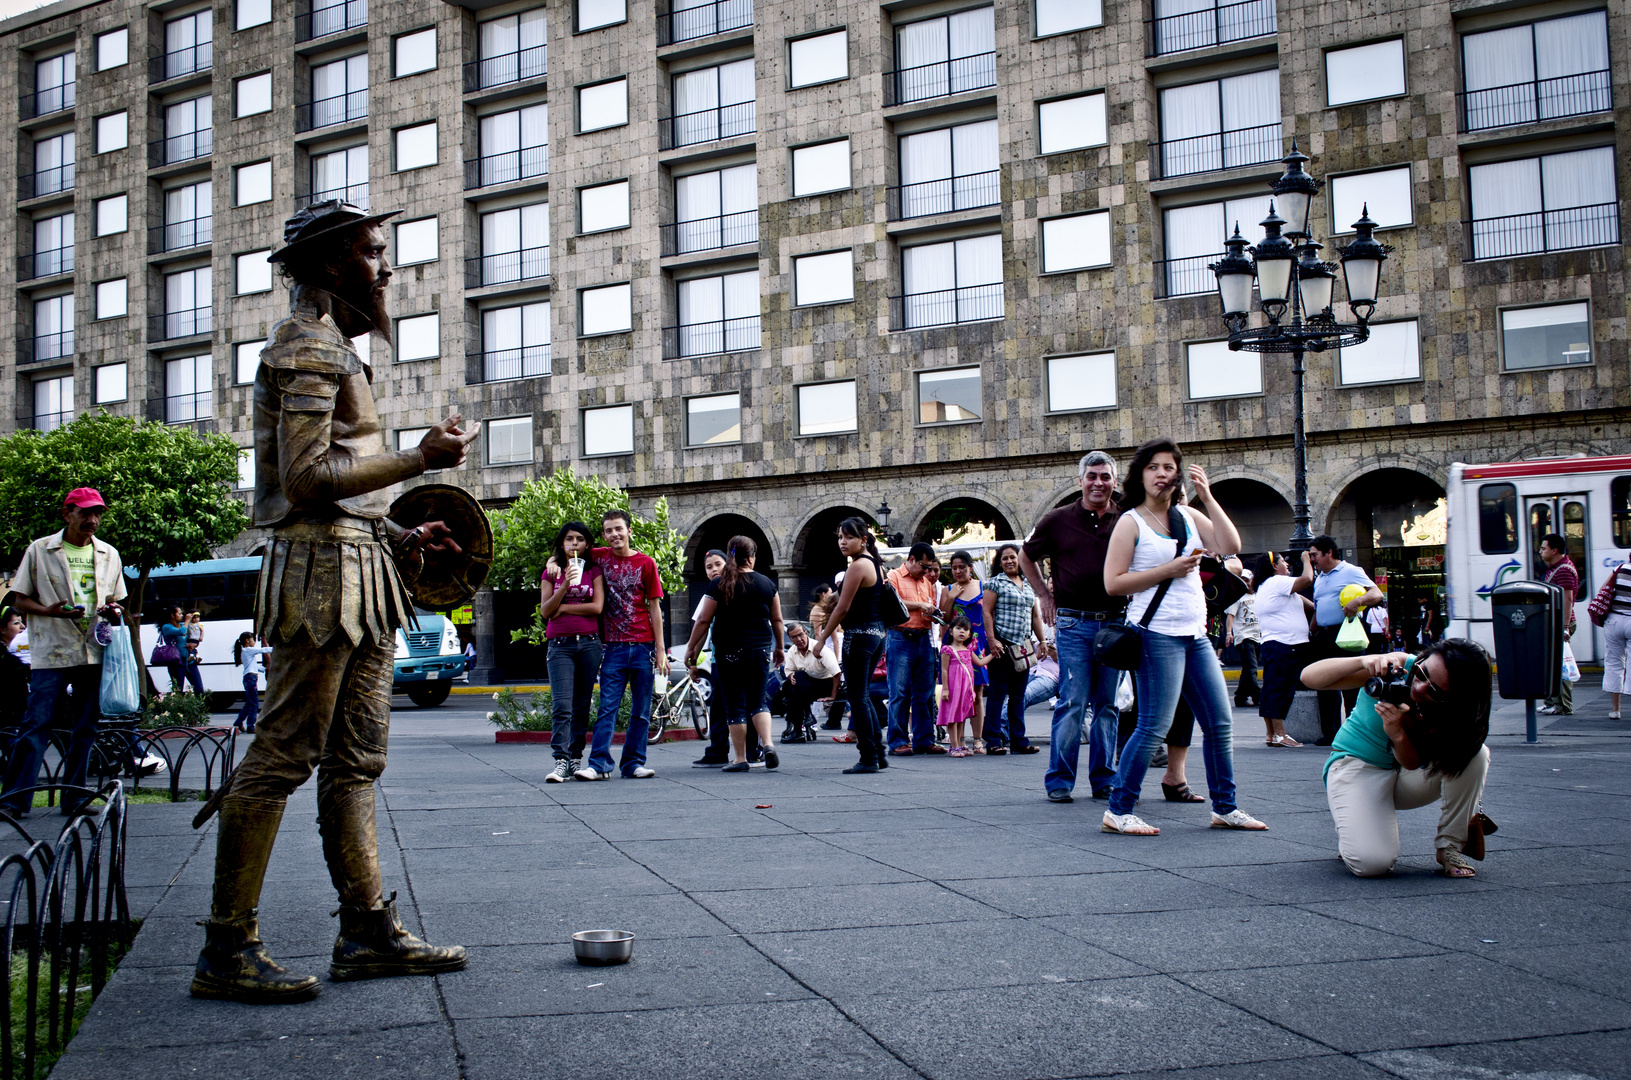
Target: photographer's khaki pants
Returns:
[1364, 800]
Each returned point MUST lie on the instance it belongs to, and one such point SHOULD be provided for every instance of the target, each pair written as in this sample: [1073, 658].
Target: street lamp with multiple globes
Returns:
[1295, 290]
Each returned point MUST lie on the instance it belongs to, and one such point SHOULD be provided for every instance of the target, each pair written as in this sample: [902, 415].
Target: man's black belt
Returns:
[911, 631]
[1093, 616]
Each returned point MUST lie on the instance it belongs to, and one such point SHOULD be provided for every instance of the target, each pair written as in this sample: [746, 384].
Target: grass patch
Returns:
[137, 796]
[46, 1057]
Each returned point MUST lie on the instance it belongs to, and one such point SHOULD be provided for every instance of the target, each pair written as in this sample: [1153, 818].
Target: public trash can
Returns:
[1528, 624]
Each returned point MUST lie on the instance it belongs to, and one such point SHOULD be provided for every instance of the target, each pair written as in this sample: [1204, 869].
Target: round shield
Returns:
[447, 581]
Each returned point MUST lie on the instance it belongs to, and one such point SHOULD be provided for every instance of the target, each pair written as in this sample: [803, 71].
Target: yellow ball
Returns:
[1350, 592]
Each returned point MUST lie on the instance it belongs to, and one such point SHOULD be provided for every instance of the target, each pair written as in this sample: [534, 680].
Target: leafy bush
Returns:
[531, 712]
[177, 710]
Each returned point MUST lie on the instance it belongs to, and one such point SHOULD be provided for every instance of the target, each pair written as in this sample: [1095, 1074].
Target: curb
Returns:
[671, 735]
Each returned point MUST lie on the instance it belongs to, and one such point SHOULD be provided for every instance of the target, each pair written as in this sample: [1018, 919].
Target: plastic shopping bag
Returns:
[1352, 636]
[121, 692]
[1124, 692]
[1571, 670]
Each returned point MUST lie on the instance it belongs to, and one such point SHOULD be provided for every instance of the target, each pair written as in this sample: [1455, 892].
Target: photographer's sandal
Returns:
[1128, 825]
[1237, 819]
[1454, 864]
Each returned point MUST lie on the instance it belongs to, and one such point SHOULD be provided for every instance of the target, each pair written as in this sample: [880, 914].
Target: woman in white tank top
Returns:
[1178, 657]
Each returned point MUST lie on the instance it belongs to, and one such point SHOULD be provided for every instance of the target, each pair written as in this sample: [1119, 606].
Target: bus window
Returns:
[1498, 518]
[1574, 535]
[1619, 508]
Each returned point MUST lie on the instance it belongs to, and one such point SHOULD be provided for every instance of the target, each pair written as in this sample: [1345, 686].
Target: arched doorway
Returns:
[716, 532]
[963, 521]
[816, 558]
[1392, 522]
[1260, 513]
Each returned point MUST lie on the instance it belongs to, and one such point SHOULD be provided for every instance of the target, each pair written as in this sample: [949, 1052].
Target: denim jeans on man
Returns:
[574, 661]
[626, 665]
[46, 685]
[1174, 666]
[909, 655]
[1084, 685]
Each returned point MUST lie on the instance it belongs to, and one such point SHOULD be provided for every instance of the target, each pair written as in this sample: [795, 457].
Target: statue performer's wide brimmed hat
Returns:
[322, 219]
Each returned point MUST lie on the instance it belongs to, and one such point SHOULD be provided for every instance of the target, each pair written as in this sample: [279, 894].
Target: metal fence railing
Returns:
[946, 307]
[45, 263]
[1543, 231]
[943, 196]
[355, 194]
[707, 125]
[330, 19]
[710, 233]
[940, 79]
[1187, 276]
[1210, 26]
[173, 65]
[1222, 150]
[499, 365]
[44, 102]
[506, 267]
[185, 408]
[1538, 99]
[703, 20]
[502, 68]
[179, 324]
[331, 110]
[37, 347]
[179, 235]
[51, 181]
[187, 146]
[528, 163]
[711, 338]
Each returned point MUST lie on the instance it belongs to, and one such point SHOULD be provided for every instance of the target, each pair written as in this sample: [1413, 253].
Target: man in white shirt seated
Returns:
[807, 678]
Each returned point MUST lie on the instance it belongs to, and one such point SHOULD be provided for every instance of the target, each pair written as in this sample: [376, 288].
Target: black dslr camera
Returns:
[1394, 687]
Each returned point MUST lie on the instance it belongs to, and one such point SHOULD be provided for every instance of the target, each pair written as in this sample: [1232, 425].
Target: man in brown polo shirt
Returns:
[909, 655]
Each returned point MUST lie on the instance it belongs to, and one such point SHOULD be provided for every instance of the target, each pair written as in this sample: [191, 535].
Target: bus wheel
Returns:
[429, 695]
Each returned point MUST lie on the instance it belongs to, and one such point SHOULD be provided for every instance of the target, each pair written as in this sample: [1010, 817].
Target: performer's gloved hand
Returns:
[445, 444]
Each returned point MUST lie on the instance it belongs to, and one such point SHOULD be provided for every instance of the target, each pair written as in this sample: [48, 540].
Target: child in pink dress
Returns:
[957, 664]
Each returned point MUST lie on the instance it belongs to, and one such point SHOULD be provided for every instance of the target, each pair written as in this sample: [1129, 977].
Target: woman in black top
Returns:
[746, 615]
[13, 672]
[857, 612]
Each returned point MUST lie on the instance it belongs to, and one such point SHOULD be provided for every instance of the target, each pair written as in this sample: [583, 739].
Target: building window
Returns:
[607, 309]
[111, 215]
[53, 248]
[112, 299]
[416, 242]
[54, 327]
[415, 146]
[512, 48]
[339, 92]
[1391, 354]
[951, 396]
[188, 130]
[1194, 237]
[603, 207]
[53, 86]
[188, 220]
[720, 209]
[110, 383]
[514, 145]
[187, 44]
[112, 49]
[820, 59]
[418, 337]
[1076, 242]
[711, 103]
[1063, 16]
[1385, 195]
[1071, 123]
[342, 174]
[948, 55]
[509, 441]
[824, 279]
[1215, 372]
[252, 95]
[409, 438]
[715, 420]
[253, 273]
[112, 132]
[1538, 71]
[955, 282]
[692, 19]
[608, 430]
[253, 13]
[1549, 203]
[1079, 383]
[187, 309]
[593, 14]
[246, 468]
[820, 168]
[416, 52]
[826, 408]
[719, 314]
[950, 169]
[53, 402]
[53, 166]
[1364, 72]
[246, 361]
[604, 105]
[1180, 25]
[515, 244]
[1553, 335]
[515, 342]
[189, 390]
[1222, 124]
[253, 183]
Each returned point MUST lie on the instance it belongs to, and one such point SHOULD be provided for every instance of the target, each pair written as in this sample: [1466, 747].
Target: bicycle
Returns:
[685, 700]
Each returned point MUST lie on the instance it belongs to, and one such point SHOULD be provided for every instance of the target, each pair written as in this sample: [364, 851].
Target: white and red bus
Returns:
[1497, 516]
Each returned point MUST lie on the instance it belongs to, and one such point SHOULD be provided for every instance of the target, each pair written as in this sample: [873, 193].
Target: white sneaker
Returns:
[562, 772]
[642, 773]
[1550, 710]
[151, 764]
[591, 774]
[1237, 819]
[1128, 825]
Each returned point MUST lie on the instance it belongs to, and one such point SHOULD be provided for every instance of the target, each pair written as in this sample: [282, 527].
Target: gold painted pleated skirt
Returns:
[324, 578]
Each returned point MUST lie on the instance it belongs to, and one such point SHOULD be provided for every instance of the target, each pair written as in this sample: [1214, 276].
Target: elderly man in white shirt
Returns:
[807, 678]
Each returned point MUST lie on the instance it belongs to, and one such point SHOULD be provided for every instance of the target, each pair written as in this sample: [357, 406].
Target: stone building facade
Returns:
[1042, 164]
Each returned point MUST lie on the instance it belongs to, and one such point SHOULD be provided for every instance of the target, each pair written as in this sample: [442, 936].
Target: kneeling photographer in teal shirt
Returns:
[1415, 737]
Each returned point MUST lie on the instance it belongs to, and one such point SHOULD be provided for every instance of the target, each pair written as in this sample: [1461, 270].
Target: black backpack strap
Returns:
[1178, 527]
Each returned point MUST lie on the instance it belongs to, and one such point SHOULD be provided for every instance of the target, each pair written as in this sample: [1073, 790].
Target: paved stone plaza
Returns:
[938, 920]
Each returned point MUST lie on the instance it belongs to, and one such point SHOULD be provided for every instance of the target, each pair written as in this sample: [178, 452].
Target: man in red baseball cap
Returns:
[64, 579]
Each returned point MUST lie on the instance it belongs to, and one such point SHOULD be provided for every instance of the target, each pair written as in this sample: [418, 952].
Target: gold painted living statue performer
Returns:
[329, 602]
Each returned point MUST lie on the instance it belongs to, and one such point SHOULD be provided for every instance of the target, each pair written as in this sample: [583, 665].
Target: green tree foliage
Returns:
[169, 491]
[524, 532]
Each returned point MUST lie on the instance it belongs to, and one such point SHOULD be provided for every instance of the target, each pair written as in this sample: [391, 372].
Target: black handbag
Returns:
[1219, 585]
[1119, 645]
[891, 611]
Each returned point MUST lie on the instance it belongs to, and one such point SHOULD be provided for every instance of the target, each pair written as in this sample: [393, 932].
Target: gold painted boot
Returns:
[373, 945]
